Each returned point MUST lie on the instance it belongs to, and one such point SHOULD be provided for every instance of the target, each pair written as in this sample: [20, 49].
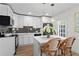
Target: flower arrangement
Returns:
[48, 30]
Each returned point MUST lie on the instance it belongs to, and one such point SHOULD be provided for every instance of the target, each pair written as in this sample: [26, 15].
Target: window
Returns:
[62, 30]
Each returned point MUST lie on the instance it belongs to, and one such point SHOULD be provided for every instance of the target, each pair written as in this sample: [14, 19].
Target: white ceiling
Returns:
[39, 9]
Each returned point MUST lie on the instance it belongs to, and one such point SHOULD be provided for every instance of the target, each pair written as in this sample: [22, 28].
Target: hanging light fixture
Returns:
[43, 9]
[45, 13]
[52, 19]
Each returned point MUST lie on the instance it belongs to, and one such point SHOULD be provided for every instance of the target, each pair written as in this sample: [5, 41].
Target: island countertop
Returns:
[44, 39]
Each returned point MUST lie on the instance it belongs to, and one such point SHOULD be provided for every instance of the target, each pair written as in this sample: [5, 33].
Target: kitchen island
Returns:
[38, 41]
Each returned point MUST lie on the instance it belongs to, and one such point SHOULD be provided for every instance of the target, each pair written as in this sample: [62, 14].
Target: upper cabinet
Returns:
[3, 10]
[18, 21]
[28, 21]
[15, 21]
[36, 22]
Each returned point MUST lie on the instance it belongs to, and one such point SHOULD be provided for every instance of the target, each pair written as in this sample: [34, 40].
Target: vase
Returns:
[48, 35]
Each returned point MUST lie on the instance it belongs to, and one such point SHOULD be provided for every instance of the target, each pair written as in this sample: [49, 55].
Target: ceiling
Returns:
[40, 9]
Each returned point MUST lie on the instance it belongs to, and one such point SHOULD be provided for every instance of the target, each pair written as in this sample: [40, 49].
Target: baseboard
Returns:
[26, 44]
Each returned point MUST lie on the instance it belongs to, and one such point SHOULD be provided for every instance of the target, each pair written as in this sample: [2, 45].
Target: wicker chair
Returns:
[50, 48]
[66, 45]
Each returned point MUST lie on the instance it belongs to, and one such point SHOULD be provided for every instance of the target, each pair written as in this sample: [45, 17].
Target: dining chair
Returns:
[66, 45]
[50, 48]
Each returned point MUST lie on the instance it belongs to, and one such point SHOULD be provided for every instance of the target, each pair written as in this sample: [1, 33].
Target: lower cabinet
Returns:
[25, 38]
[7, 46]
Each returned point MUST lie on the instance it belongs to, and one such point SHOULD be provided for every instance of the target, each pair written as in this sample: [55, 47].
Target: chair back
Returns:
[70, 41]
[53, 44]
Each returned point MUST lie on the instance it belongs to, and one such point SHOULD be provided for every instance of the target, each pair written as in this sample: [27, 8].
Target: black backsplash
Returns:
[27, 29]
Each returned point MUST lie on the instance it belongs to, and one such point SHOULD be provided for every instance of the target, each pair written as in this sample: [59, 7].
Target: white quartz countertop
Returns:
[44, 39]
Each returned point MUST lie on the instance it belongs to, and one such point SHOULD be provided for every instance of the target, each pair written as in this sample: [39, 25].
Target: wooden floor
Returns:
[27, 50]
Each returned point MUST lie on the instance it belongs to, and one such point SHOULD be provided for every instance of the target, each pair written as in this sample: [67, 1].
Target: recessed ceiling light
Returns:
[29, 13]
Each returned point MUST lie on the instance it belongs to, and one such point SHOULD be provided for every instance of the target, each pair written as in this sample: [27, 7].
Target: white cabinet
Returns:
[25, 38]
[15, 20]
[1, 45]
[33, 21]
[28, 21]
[18, 21]
[3, 10]
[30, 36]
[37, 22]
[21, 39]
[7, 46]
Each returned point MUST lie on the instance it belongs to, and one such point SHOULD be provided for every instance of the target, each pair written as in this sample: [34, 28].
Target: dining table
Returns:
[39, 41]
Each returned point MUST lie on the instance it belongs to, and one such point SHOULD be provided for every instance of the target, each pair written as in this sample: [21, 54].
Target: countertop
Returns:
[8, 36]
[44, 39]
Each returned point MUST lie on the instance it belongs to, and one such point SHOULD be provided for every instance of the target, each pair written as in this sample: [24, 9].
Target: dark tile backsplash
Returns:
[27, 29]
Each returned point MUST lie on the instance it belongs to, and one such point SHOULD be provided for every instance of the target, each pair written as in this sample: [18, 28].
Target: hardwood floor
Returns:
[27, 50]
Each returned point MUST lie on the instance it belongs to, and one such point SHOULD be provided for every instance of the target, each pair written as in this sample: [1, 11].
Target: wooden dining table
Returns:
[38, 41]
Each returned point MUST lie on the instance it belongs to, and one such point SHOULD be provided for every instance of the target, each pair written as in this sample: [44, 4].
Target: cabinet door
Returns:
[1, 47]
[15, 18]
[20, 20]
[7, 46]
[21, 40]
[11, 46]
[4, 46]
[31, 38]
[26, 39]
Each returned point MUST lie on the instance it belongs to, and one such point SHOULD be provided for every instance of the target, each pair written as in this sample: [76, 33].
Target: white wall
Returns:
[3, 9]
[68, 16]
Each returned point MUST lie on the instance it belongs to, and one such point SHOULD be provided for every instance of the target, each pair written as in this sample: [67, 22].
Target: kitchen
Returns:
[26, 23]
